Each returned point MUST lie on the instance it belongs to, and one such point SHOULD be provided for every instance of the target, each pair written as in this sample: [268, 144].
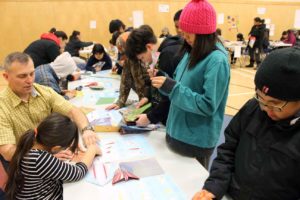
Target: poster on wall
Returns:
[261, 11]
[164, 8]
[297, 19]
[138, 18]
[233, 22]
[220, 19]
[93, 24]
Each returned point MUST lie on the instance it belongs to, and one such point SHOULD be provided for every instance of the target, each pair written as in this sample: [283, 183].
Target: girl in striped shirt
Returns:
[34, 172]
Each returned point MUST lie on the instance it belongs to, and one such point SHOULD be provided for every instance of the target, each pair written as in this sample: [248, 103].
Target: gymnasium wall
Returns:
[23, 21]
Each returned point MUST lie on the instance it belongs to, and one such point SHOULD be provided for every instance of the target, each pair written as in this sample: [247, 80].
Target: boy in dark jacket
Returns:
[260, 158]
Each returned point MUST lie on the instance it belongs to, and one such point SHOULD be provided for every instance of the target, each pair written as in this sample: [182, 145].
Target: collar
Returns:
[16, 100]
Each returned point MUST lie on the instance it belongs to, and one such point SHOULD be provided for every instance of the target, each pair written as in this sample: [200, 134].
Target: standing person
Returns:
[34, 172]
[199, 90]
[46, 49]
[134, 76]
[98, 55]
[256, 37]
[260, 156]
[142, 44]
[176, 23]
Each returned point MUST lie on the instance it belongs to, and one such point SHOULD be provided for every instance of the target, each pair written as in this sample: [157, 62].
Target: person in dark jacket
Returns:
[75, 44]
[46, 49]
[99, 55]
[260, 158]
[256, 34]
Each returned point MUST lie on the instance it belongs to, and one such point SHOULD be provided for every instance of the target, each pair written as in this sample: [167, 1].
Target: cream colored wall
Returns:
[22, 21]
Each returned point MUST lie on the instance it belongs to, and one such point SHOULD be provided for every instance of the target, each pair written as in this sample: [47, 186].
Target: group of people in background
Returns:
[186, 78]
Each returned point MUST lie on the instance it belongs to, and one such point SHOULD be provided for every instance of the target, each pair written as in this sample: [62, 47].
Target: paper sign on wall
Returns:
[297, 19]
[220, 18]
[93, 24]
[138, 18]
[267, 21]
[261, 11]
[163, 8]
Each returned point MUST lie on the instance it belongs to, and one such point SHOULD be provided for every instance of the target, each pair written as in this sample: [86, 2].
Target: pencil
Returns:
[94, 171]
[104, 169]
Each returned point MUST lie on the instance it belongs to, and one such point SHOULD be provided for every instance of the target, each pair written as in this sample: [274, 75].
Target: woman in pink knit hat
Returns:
[199, 90]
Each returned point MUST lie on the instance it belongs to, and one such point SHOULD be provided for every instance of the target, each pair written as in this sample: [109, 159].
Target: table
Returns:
[186, 172]
[279, 44]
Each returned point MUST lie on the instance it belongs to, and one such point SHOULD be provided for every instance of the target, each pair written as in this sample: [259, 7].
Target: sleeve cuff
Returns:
[168, 85]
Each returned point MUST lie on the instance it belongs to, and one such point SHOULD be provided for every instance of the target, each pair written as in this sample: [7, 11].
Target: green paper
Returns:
[132, 115]
[105, 100]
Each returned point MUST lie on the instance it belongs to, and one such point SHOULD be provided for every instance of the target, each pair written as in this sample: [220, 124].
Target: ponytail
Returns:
[15, 177]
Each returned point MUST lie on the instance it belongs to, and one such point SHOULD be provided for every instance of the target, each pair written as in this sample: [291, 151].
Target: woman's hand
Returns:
[158, 81]
[142, 102]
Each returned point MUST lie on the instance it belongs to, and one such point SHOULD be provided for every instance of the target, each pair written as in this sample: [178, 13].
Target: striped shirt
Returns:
[44, 175]
[17, 116]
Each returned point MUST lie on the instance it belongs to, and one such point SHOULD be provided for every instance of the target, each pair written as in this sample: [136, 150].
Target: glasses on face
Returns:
[270, 107]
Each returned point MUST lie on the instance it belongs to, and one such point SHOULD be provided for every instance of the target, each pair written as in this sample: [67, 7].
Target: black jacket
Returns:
[42, 51]
[260, 159]
[168, 60]
[92, 60]
[73, 46]
[258, 32]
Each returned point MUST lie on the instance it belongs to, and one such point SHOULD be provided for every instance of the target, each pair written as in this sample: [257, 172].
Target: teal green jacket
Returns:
[198, 99]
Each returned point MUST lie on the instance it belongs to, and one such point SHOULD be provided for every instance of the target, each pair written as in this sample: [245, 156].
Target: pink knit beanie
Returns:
[198, 17]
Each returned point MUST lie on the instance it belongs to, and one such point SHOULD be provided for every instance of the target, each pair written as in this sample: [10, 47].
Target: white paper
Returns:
[297, 19]
[93, 24]
[267, 21]
[237, 51]
[164, 8]
[268, 26]
[272, 27]
[272, 32]
[261, 11]
[220, 18]
[138, 18]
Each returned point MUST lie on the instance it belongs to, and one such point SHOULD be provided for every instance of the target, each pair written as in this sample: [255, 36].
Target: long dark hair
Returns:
[203, 46]
[54, 130]
[74, 35]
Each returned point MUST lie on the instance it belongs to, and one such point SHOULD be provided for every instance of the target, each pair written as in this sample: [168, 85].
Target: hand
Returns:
[142, 120]
[203, 195]
[152, 72]
[112, 106]
[89, 137]
[142, 102]
[98, 68]
[158, 81]
[76, 75]
[95, 148]
[70, 93]
[78, 156]
[64, 155]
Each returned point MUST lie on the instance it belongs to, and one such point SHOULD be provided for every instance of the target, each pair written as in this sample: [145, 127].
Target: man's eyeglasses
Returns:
[270, 107]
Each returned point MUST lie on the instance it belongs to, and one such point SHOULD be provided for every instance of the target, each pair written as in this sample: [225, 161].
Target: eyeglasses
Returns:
[270, 107]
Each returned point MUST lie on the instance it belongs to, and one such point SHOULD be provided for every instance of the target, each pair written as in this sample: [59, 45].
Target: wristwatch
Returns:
[88, 127]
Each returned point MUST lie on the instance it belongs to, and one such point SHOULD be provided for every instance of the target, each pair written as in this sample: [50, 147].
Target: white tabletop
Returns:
[279, 44]
[186, 172]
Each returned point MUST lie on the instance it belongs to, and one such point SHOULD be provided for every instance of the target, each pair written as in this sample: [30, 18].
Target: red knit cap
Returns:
[198, 17]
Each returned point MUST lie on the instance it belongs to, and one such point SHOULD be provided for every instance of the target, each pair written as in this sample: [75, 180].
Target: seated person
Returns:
[98, 55]
[51, 74]
[34, 172]
[75, 44]
[260, 158]
[239, 38]
[46, 49]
